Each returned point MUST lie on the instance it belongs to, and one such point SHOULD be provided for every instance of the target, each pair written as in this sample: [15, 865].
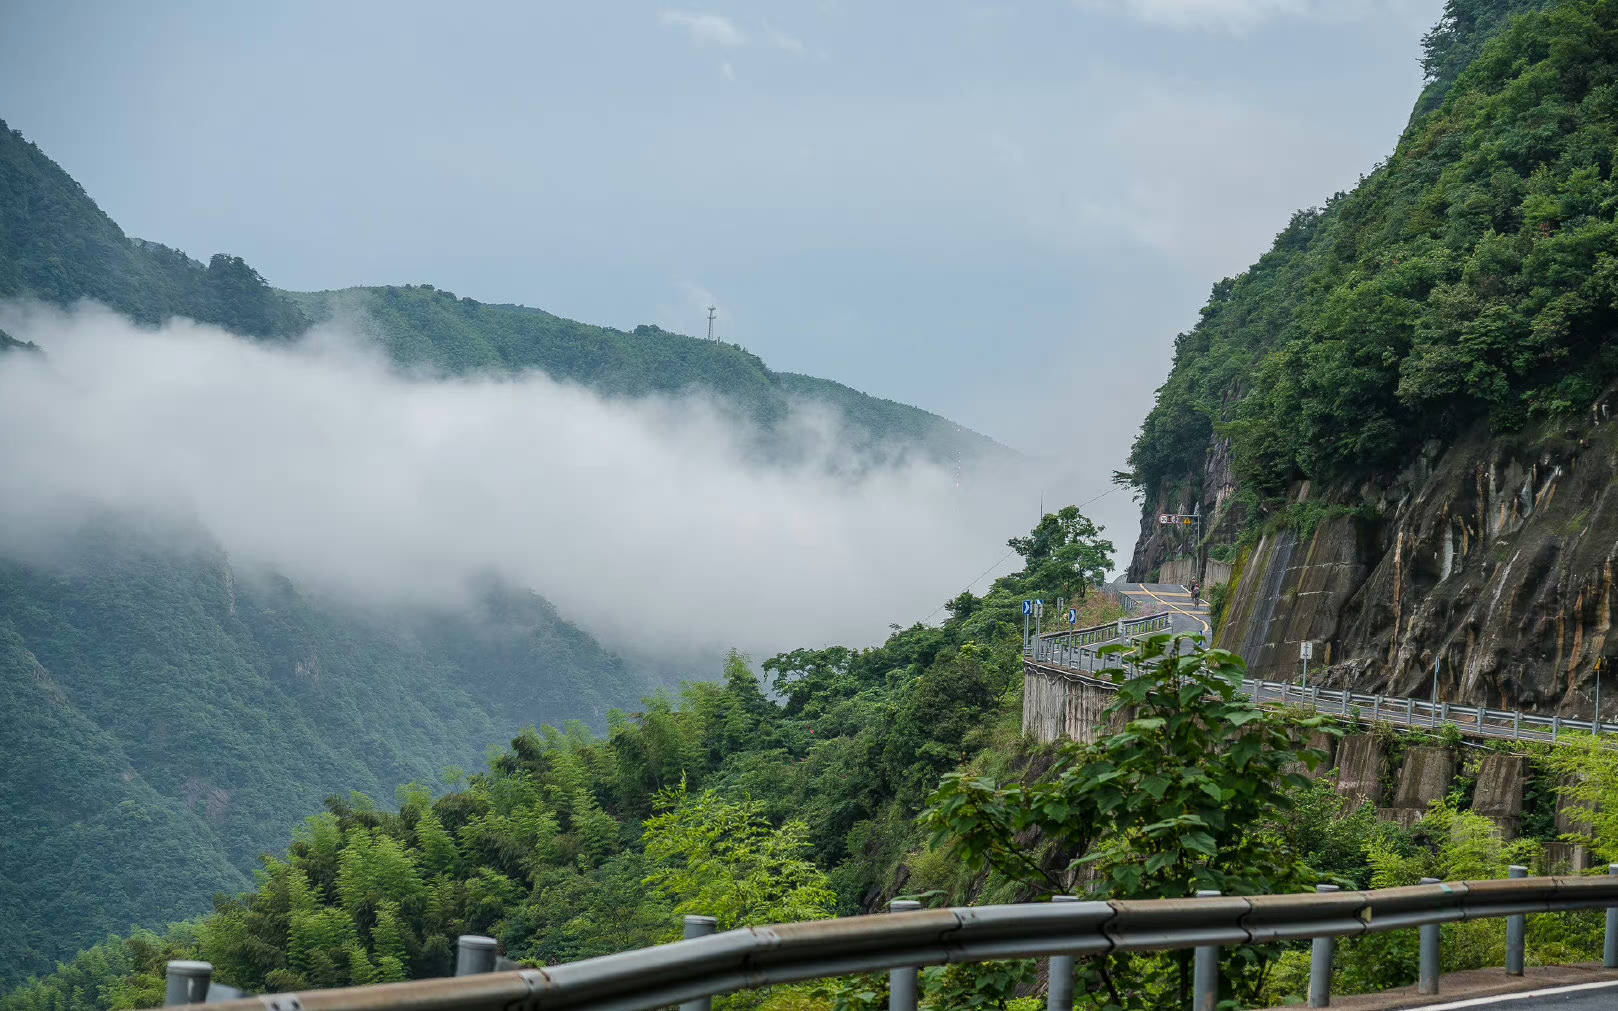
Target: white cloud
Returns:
[646, 521]
[781, 40]
[706, 29]
[718, 30]
[1238, 15]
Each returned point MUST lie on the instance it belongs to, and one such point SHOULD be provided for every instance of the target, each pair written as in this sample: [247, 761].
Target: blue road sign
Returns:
[1039, 602]
[1028, 607]
[1072, 616]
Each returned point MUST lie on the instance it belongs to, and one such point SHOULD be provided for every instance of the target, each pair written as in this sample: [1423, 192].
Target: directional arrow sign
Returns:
[1072, 616]
[1028, 607]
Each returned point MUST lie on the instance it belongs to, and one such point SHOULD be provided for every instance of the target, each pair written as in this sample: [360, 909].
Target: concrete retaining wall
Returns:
[1360, 764]
[1424, 776]
[1499, 792]
[1178, 570]
[1056, 708]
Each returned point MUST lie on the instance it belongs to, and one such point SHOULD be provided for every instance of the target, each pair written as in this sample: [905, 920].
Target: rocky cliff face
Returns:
[1491, 559]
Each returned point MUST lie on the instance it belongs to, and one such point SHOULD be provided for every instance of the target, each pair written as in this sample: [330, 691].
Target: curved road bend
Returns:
[1184, 617]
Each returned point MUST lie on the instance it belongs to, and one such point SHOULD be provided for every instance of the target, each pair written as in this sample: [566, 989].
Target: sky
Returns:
[999, 212]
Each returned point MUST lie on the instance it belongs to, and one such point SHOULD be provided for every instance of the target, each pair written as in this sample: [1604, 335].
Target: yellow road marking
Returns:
[1206, 628]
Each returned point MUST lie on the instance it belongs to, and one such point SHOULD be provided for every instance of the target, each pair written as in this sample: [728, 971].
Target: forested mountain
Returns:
[423, 326]
[57, 245]
[170, 719]
[1382, 409]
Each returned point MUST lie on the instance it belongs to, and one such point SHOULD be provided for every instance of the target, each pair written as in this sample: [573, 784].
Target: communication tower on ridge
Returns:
[711, 311]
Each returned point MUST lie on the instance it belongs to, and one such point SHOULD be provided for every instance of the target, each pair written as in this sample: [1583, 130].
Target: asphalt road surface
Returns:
[1184, 616]
[1583, 997]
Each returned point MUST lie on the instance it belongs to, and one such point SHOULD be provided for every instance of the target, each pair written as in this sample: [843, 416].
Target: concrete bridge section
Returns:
[1063, 703]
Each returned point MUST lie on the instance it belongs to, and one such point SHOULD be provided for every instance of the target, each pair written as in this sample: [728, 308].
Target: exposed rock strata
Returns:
[1491, 559]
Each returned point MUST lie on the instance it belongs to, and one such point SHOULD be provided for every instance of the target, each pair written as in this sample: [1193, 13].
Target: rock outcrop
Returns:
[1490, 560]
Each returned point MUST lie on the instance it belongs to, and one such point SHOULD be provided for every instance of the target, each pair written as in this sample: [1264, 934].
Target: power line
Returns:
[1008, 554]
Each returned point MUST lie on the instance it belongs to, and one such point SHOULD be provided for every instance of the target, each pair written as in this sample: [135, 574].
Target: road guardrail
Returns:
[692, 971]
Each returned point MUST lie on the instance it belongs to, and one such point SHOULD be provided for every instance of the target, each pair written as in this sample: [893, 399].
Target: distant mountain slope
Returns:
[167, 722]
[57, 245]
[424, 326]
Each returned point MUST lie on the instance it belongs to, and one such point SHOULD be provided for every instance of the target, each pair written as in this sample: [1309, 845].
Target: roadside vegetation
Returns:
[852, 777]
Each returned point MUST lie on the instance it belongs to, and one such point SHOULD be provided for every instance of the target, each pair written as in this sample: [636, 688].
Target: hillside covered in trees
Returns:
[168, 720]
[1469, 277]
[171, 718]
[1393, 422]
[58, 246]
[860, 776]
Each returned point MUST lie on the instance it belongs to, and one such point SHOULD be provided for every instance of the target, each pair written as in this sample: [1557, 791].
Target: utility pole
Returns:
[1437, 662]
[711, 311]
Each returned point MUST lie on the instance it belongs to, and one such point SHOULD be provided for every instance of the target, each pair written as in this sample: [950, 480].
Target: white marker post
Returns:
[1306, 652]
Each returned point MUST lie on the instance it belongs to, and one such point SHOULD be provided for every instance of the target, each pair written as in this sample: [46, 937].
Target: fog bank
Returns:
[644, 521]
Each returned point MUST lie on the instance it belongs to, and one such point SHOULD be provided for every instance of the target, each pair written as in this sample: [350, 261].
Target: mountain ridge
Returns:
[57, 245]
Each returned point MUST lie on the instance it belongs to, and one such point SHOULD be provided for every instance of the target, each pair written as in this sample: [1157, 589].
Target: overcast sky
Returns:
[1000, 212]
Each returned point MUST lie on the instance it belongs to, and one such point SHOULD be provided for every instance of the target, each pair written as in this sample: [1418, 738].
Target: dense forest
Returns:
[1469, 279]
[828, 781]
[168, 719]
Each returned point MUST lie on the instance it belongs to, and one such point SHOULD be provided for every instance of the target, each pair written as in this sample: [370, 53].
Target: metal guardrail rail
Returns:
[1479, 721]
[1075, 643]
[693, 970]
[1414, 714]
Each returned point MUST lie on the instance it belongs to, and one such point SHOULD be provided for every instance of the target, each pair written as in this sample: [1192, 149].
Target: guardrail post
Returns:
[1205, 972]
[1321, 953]
[1059, 974]
[1376, 709]
[1427, 980]
[187, 982]
[474, 953]
[902, 983]
[699, 926]
[1516, 725]
[1609, 954]
[1516, 929]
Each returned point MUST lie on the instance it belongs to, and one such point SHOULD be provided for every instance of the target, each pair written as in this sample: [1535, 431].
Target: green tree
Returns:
[722, 858]
[1065, 551]
[1176, 800]
[1587, 770]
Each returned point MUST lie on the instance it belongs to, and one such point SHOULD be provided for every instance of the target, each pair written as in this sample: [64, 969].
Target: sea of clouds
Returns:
[652, 522]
